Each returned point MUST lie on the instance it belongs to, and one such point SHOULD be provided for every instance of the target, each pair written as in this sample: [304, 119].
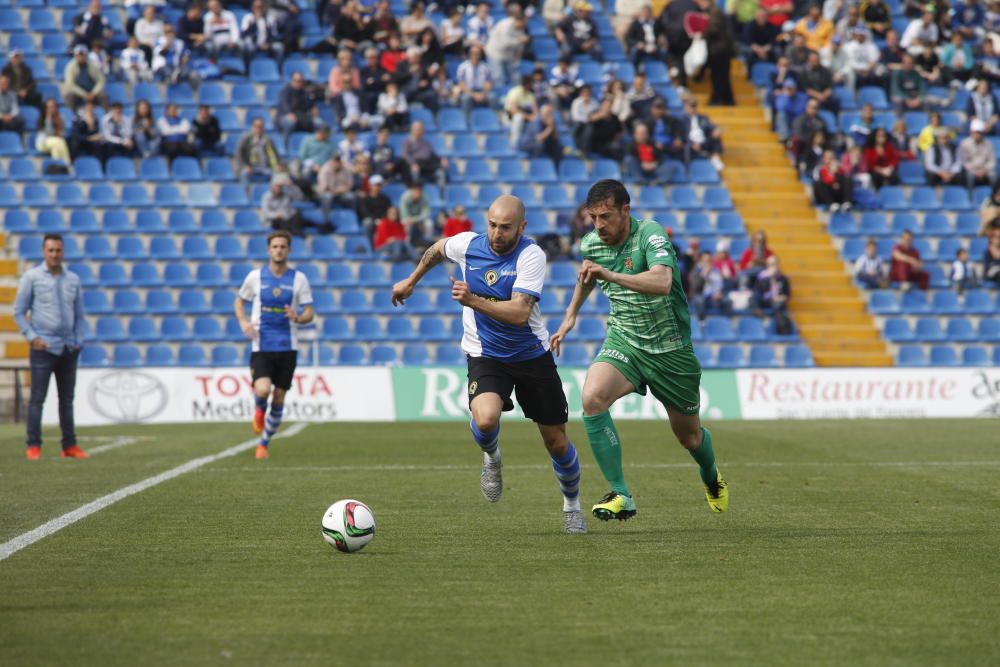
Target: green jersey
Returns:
[650, 323]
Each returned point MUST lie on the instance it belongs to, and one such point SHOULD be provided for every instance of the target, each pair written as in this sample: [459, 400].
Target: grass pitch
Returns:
[861, 543]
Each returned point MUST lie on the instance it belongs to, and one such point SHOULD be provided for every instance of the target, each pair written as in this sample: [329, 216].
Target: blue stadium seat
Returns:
[652, 196]
[945, 302]
[750, 330]
[135, 196]
[719, 329]
[384, 355]
[400, 329]
[341, 275]
[526, 193]
[154, 169]
[762, 356]
[874, 96]
[146, 274]
[702, 172]
[449, 355]
[17, 221]
[51, 222]
[352, 355]
[226, 355]
[959, 329]
[911, 172]
[955, 198]
[798, 356]
[85, 168]
[576, 355]
[95, 302]
[603, 169]
[705, 356]
[263, 70]
[989, 330]
[42, 20]
[186, 169]
[928, 330]
[177, 275]
[35, 195]
[54, 44]
[109, 330]
[591, 329]
[914, 302]
[432, 329]
[111, 274]
[160, 302]
[924, 199]
[160, 355]
[214, 222]
[484, 120]
[163, 247]
[697, 224]
[717, 199]
[324, 303]
[541, 170]
[337, 328]
[943, 355]
[844, 224]
[128, 302]
[682, 197]
[70, 195]
[143, 330]
[83, 222]
[731, 356]
[479, 171]
[93, 355]
[937, 224]
[182, 222]
[873, 223]
[498, 146]
[219, 170]
[357, 302]
[573, 171]
[175, 328]
[452, 120]
[911, 356]
[892, 198]
[221, 302]
[191, 355]
[511, 171]
[897, 330]
[196, 248]
[229, 248]
[206, 328]
[192, 302]
[975, 356]
[980, 302]
[213, 95]
[416, 354]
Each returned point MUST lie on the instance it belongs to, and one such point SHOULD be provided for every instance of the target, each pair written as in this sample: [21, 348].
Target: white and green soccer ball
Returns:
[349, 525]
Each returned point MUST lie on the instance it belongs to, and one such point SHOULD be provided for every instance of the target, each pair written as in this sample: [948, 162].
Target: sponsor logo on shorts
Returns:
[492, 277]
[614, 354]
[473, 386]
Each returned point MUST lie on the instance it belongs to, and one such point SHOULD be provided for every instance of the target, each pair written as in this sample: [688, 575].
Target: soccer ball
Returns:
[348, 525]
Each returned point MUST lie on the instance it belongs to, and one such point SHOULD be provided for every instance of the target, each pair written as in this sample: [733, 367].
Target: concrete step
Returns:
[828, 304]
[851, 359]
[862, 331]
[7, 294]
[14, 349]
[7, 324]
[8, 267]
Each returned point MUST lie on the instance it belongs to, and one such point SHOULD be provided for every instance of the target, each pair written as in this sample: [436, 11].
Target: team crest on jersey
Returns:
[491, 277]
[473, 386]
[276, 292]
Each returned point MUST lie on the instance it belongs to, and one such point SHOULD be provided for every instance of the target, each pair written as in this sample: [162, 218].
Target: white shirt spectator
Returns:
[349, 151]
[475, 77]
[221, 29]
[174, 129]
[390, 104]
[916, 33]
[480, 29]
[116, 132]
[859, 56]
[135, 66]
[505, 41]
[580, 110]
[148, 32]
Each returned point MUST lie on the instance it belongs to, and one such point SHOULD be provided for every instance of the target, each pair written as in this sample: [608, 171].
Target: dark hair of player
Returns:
[601, 191]
[280, 234]
[52, 237]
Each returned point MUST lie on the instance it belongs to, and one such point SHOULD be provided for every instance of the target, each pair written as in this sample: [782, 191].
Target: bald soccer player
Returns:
[506, 344]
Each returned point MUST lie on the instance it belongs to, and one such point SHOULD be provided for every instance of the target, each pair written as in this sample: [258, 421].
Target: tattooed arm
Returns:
[433, 256]
[514, 312]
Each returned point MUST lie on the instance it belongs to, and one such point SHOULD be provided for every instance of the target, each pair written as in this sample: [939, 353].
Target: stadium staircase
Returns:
[12, 345]
[827, 307]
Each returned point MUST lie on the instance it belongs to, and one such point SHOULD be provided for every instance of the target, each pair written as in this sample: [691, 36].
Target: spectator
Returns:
[421, 158]
[256, 156]
[384, 161]
[349, 110]
[831, 184]
[521, 107]
[553, 11]
[393, 55]
[22, 80]
[451, 34]
[415, 79]
[941, 164]
[707, 288]
[116, 133]
[818, 33]
[957, 59]
[457, 223]
[805, 128]
[963, 273]
[667, 134]
[480, 25]
[100, 56]
[144, 130]
[373, 80]
[797, 53]
[207, 132]
[991, 257]
[906, 267]
[817, 81]
[892, 52]
[350, 147]
[724, 264]
[414, 24]
[967, 19]
[860, 58]
[703, 138]
[583, 107]
[860, 131]
[678, 41]
[645, 38]
[721, 50]
[850, 22]
[877, 16]
[83, 81]
[474, 83]
[259, 34]
[928, 65]
[191, 28]
[789, 104]
[988, 63]
[343, 72]
[540, 137]
[390, 237]
[921, 32]
[989, 212]
[175, 134]
[640, 95]
[10, 110]
[286, 15]
[351, 31]
[565, 83]
[853, 165]
[132, 63]
[979, 161]
[761, 40]
[908, 87]
[91, 25]
[620, 105]
[148, 31]
[901, 140]
[983, 107]
[335, 185]
[927, 136]
[221, 30]
[644, 161]
[415, 212]
[604, 132]
[362, 172]
[373, 205]
[314, 152]
[772, 291]
[50, 136]
[392, 108]
[297, 110]
[171, 58]
[754, 258]
[869, 268]
[577, 33]
[278, 209]
[85, 138]
[882, 159]
[505, 46]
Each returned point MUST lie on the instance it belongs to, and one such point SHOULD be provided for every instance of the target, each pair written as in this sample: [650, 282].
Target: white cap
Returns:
[977, 125]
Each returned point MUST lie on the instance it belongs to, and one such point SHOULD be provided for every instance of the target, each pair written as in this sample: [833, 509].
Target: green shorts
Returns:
[674, 377]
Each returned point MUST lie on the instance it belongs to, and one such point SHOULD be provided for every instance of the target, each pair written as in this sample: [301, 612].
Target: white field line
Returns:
[123, 441]
[7, 549]
[754, 464]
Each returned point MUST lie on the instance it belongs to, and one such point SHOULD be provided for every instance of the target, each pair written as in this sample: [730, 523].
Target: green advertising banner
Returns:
[437, 393]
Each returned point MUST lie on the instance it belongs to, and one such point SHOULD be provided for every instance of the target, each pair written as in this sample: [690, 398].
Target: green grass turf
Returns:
[862, 543]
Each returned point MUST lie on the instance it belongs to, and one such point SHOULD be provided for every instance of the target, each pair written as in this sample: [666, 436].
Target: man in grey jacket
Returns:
[979, 161]
[52, 295]
[83, 80]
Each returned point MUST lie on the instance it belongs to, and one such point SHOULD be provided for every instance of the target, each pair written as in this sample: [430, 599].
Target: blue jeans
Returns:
[43, 365]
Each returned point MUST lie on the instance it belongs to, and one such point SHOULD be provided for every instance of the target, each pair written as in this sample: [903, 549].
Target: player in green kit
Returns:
[648, 342]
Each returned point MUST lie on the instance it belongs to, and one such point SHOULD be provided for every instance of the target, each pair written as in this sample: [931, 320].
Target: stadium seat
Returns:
[575, 355]
[337, 329]
[93, 355]
[911, 356]
[182, 222]
[352, 355]
[762, 356]
[186, 169]
[798, 356]
[719, 329]
[85, 168]
[22, 169]
[989, 330]
[975, 356]
[195, 247]
[111, 274]
[146, 274]
[163, 248]
[154, 169]
[944, 355]
[128, 302]
[143, 330]
[731, 356]
[51, 222]
[449, 355]
[191, 355]
[109, 330]
[750, 330]
[70, 195]
[160, 355]
[682, 197]
[226, 355]
[175, 328]
[192, 302]
[135, 196]
[95, 302]
[177, 275]
[160, 302]
[980, 302]
[897, 330]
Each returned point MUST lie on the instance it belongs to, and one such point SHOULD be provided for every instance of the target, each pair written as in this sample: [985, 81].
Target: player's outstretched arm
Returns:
[580, 294]
[654, 282]
[515, 312]
[239, 309]
[433, 256]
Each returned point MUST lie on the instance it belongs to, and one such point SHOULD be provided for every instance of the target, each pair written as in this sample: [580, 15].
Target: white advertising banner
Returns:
[869, 393]
[189, 395]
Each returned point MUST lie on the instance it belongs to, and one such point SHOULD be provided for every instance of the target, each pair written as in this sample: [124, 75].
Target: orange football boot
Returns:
[74, 452]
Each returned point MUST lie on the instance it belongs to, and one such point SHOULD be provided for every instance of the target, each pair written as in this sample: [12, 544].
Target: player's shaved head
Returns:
[505, 223]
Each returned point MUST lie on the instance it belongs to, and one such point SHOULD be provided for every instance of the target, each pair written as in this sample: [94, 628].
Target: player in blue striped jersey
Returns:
[507, 345]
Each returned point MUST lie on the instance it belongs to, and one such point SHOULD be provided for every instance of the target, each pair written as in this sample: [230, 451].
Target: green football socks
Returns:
[704, 456]
[606, 445]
